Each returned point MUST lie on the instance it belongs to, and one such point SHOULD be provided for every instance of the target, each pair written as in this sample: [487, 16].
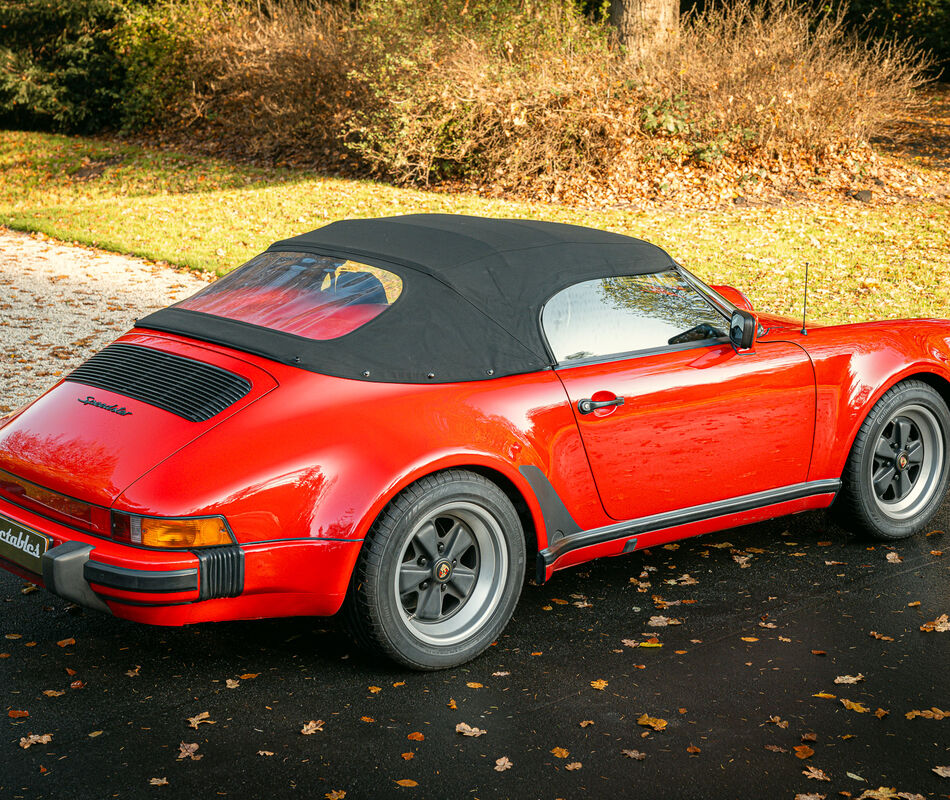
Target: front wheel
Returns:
[440, 573]
[897, 473]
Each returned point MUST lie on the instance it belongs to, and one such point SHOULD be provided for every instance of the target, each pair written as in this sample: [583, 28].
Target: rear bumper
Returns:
[178, 587]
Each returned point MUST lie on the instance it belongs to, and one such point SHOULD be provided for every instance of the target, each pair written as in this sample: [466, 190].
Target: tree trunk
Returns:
[643, 25]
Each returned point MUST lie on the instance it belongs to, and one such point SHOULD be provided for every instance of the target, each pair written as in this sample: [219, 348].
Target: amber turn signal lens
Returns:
[203, 532]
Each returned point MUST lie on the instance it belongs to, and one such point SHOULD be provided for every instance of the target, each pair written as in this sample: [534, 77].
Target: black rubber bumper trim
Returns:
[137, 580]
[683, 516]
[222, 571]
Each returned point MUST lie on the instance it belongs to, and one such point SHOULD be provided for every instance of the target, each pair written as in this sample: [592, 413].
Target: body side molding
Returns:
[682, 516]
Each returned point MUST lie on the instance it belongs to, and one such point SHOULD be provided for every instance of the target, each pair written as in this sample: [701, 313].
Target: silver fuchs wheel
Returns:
[440, 573]
[897, 473]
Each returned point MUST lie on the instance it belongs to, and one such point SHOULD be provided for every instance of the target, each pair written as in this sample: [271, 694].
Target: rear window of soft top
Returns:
[317, 297]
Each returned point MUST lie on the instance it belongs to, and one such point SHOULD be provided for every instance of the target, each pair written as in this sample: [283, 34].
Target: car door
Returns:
[682, 424]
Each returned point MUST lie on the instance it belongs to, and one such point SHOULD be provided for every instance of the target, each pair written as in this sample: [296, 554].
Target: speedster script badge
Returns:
[114, 408]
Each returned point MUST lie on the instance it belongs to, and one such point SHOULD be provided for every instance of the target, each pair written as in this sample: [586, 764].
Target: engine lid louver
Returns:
[191, 389]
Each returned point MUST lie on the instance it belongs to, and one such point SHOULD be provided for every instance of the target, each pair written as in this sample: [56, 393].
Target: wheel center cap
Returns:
[442, 571]
[901, 461]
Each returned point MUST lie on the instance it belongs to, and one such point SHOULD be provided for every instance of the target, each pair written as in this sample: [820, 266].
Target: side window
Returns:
[633, 312]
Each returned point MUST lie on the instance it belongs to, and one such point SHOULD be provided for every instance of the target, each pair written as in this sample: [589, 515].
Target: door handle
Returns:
[586, 406]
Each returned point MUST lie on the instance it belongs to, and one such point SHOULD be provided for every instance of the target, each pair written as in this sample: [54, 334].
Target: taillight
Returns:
[174, 533]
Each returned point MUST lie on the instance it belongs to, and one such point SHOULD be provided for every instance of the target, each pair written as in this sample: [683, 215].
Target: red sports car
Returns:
[395, 416]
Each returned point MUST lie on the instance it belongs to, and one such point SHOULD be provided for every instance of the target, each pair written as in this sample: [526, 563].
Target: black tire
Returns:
[896, 476]
[439, 574]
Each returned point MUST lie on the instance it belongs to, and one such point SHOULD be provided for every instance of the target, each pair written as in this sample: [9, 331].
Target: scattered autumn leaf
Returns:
[853, 706]
[502, 764]
[599, 684]
[825, 695]
[881, 636]
[940, 625]
[133, 673]
[881, 713]
[943, 772]
[634, 754]
[559, 752]
[585, 723]
[810, 796]
[158, 782]
[312, 727]
[931, 713]
[574, 765]
[893, 558]
[266, 753]
[407, 782]
[335, 794]
[195, 721]
[775, 748]
[188, 751]
[652, 722]
[32, 739]
[415, 736]
[803, 751]
[375, 689]
[77, 685]
[17, 714]
[66, 642]
[474, 685]
[749, 638]
[819, 653]
[815, 773]
[693, 750]
[781, 723]
[467, 730]
[662, 622]
[231, 683]
[500, 674]
[53, 692]
[248, 676]
[849, 678]
[367, 719]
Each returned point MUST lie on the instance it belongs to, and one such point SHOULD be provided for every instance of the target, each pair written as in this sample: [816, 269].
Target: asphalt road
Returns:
[735, 682]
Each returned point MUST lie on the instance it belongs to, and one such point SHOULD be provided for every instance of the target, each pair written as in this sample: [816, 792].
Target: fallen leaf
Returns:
[312, 727]
[367, 719]
[881, 793]
[940, 625]
[502, 764]
[803, 751]
[893, 558]
[415, 736]
[94, 734]
[467, 730]
[634, 754]
[662, 622]
[881, 636]
[158, 782]
[77, 685]
[809, 737]
[66, 642]
[195, 721]
[452, 704]
[825, 695]
[815, 773]
[881, 713]
[574, 765]
[500, 674]
[335, 794]
[559, 752]
[133, 673]
[266, 753]
[474, 685]
[53, 693]
[855, 777]
[818, 653]
[693, 750]
[33, 738]
[652, 722]
[810, 796]
[407, 756]
[15, 714]
[375, 689]
[914, 604]
[749, 639]
[599, 684]
[14, 635]
[407, 782]
[943, 772]
[397, 684]
[230, 683]
[853, 706]
[779, 721]
[930, 713]
[188, 751]
[775, 748]
[248, 676]
[784, 639]
[849, 678]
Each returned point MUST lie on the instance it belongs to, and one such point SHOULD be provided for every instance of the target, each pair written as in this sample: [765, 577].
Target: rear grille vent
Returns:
[190, 389]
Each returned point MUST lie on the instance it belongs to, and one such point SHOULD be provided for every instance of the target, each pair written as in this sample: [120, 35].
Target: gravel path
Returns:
[59, 304]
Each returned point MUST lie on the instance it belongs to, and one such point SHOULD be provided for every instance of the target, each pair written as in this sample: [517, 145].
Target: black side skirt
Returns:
[670, 519]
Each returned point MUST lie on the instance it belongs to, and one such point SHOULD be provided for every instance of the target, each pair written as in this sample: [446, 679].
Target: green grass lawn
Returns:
[867, 262]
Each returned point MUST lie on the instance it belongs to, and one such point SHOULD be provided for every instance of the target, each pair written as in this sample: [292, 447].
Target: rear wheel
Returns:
[440, 573]
[899, 467]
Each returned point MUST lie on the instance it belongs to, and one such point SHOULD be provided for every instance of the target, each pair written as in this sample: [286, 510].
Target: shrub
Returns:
[57, 67]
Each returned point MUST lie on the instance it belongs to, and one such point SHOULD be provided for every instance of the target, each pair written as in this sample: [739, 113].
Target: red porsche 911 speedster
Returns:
[393, 417]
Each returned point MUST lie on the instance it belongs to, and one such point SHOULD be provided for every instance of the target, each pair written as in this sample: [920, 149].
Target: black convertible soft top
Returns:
[470, 309]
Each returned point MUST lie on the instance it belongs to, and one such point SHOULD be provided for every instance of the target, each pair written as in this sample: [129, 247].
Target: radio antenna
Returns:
[805, 302]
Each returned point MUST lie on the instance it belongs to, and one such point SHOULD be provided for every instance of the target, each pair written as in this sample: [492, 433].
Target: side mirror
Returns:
[742, 330]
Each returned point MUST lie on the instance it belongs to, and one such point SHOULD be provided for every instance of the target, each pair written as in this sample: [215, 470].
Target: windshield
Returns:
[317, 297]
